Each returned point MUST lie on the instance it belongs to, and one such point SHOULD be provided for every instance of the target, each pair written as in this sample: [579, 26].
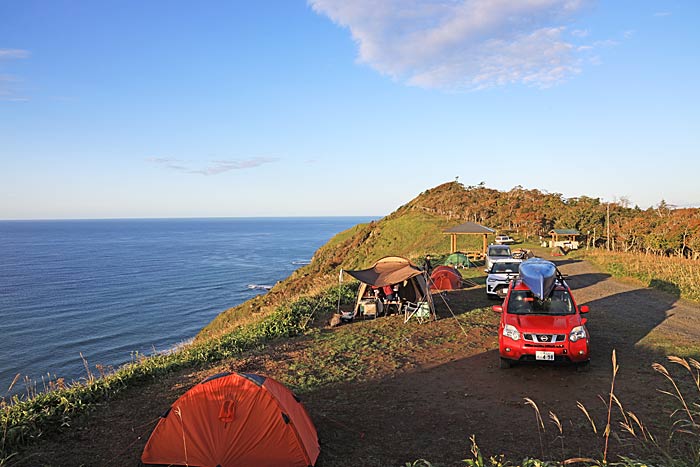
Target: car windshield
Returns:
[523, 302]
[502, 268]
[499, 252]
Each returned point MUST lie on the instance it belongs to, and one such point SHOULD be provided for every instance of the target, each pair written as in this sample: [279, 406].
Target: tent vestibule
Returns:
[409, 282]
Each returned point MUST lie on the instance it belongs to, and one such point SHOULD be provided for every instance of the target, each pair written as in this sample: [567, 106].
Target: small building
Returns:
[565, 238]
[468, 228]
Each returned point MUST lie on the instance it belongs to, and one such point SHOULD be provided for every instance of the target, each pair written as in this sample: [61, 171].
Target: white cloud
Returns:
[215, 167]
[13, 53]
[663, 13]
[462, 44]
[8, 93]
[605, 43]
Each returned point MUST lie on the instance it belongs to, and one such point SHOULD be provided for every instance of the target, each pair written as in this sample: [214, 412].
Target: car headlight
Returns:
[510, 331]
[579, 332]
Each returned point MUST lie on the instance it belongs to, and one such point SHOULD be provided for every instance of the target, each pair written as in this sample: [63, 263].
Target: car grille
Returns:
[544, 338]
[545, 346]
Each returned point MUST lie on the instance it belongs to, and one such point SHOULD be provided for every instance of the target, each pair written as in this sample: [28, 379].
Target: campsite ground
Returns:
[382, 392]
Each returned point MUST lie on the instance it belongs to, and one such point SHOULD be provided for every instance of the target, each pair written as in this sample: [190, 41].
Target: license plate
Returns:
[541, 355]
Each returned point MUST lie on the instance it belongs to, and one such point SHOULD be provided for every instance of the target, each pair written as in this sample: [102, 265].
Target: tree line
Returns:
[530, 213]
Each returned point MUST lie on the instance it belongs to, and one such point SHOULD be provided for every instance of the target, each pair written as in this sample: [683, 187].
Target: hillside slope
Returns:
[413, 230]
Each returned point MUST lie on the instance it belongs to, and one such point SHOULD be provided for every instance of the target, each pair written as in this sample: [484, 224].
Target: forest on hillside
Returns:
[530, 213]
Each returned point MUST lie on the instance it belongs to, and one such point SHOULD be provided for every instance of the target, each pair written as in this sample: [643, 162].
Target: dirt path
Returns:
[430, 408]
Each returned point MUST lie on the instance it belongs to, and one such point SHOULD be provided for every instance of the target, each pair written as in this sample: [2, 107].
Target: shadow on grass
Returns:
[666, 286]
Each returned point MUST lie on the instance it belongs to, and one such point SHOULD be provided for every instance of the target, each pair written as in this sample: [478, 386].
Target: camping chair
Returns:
[420, 311]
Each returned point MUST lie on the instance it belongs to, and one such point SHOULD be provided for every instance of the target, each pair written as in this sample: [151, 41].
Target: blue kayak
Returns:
[539, 275]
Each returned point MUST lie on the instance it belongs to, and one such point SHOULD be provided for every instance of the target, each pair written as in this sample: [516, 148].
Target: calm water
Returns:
[107, 288]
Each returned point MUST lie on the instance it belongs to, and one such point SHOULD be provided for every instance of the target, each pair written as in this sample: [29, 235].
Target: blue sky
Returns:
[329, 107]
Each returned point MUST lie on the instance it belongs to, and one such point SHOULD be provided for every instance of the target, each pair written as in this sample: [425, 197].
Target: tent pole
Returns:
[340, 283]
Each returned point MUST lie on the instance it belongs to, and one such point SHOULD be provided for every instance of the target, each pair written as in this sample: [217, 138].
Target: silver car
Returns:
[496, 252]
[501, 273]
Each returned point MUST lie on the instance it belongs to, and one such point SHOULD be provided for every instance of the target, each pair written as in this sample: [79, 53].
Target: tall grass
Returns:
[25, 419]
[672, 274]
[679, 446]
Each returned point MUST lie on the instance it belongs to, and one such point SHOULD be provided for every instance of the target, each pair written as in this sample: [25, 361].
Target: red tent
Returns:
[445, 278]
[234, 419]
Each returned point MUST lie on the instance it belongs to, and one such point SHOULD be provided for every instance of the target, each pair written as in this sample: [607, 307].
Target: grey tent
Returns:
[409, 279]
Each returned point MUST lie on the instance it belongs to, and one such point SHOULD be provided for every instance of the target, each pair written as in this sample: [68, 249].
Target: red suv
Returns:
[552, 329]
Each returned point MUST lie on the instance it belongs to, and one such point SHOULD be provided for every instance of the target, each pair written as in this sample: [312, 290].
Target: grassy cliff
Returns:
[413, 231]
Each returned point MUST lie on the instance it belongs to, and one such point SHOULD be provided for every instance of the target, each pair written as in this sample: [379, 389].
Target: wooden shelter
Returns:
[564, 237]
[468, 228]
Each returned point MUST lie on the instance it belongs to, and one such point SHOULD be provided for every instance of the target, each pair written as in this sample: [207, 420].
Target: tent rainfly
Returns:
[468, 228]
[234, 419]
[394, 270]
[445, 278]
[457, 260]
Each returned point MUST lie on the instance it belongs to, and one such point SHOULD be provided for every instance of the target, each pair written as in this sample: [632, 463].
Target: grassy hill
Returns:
[415, 229]
[412, 231]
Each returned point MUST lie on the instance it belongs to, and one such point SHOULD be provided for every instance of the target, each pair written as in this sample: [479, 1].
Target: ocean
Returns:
[109, 288]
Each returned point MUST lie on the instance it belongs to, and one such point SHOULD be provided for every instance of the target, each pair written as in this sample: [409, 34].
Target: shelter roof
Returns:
[470, 228]
[387, 271]
[565, 232]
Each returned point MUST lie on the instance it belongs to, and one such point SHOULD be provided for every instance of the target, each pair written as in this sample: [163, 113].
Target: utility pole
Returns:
[607, 221]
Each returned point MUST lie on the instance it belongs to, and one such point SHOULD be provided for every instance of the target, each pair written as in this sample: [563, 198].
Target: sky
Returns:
[117, 109]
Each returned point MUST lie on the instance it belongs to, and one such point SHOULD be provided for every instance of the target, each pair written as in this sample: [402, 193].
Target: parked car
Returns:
[504, 240]
[552, 329]
[501, 273]
[496, 252]
[522, 253]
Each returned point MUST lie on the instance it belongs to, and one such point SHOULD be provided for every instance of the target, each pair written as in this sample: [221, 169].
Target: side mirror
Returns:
[583, 309]
[486, 270]
[584, 320]
[497, 308]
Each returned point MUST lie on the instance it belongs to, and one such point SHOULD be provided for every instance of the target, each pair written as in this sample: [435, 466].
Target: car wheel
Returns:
[584, 367]
[505, 363]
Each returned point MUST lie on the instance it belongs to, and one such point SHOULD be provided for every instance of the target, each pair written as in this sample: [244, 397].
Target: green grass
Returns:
[370, 347]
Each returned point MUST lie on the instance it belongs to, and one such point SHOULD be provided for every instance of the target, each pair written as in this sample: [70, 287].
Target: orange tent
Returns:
[445, 278]
[234, 419]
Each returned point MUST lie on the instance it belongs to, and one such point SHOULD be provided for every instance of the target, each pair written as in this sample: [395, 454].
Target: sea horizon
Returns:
[59, 219]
